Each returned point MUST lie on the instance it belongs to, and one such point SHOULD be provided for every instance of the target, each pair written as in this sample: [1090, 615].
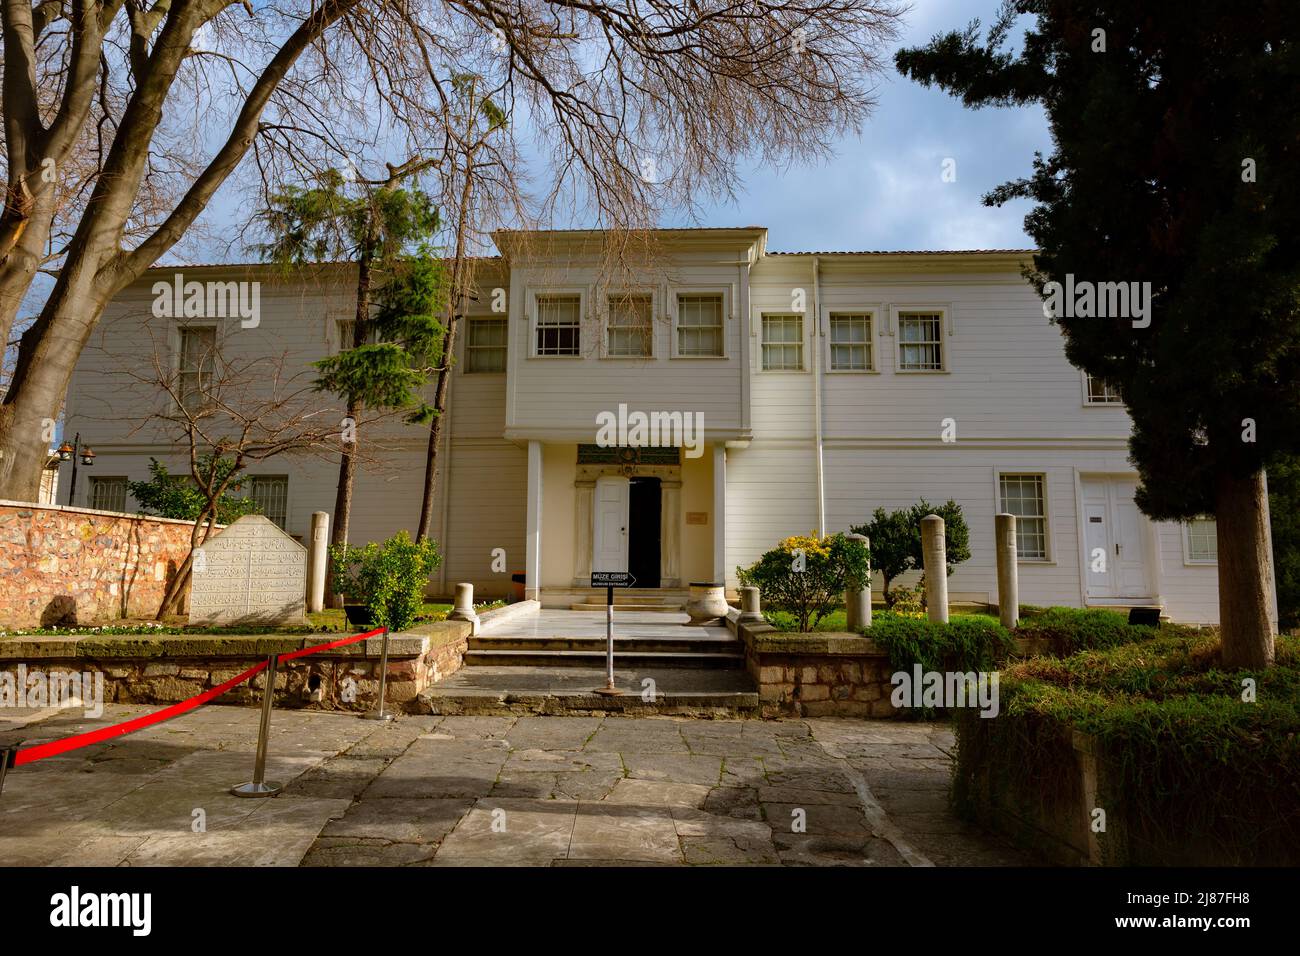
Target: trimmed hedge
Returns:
[1068, 630]
[1191, 773]
[968, 642]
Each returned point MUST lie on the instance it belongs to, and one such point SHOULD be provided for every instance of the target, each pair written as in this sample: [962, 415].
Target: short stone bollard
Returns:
[934, 551]
[1008, 570]
[750, 606]
[463, 607]
[857, 595]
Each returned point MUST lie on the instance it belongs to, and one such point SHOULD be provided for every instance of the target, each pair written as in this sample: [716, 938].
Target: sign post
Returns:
[610, 580]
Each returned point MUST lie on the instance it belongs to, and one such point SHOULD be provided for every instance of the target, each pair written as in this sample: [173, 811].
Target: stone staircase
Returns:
[705, 648]
[625, 599]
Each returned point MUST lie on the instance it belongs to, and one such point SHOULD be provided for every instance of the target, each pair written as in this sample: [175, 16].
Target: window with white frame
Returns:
[108, 493]
[782, 342]
[271, 493]
[1100, 393]
[485, 345]
[631, 326]
[920, 342]
[197, 360]
[1201, 535]
[558, 324]
[1025, 497]
[699, 325]
[851, 342]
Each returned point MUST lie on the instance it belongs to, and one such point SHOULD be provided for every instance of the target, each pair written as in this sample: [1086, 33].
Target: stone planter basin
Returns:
[707, 604]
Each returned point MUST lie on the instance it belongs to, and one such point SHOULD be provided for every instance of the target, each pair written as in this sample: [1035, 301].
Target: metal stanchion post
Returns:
[7, 757]
[609, 690]
[379, 713]
[257, 787]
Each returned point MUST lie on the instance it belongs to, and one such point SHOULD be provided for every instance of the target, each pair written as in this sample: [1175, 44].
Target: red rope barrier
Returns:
[55, 747]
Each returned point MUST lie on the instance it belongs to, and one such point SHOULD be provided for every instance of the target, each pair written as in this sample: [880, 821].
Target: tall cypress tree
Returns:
[1176, 140]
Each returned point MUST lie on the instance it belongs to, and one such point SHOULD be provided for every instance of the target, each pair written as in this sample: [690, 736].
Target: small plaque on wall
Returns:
[697, 517]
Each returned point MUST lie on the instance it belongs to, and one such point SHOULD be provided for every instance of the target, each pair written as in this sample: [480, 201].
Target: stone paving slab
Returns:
[489, 790]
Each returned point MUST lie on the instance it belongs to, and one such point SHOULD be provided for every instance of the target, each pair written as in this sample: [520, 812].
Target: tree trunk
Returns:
[180, 580]
[1245, 572]
[348, 460]
[40, 382]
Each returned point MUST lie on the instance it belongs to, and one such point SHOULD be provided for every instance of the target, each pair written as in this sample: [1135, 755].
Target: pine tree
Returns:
[1176, 136]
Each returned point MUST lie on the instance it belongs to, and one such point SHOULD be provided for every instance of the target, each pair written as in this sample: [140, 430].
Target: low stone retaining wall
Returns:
[61, 566]
[823, 674]
[168, 668]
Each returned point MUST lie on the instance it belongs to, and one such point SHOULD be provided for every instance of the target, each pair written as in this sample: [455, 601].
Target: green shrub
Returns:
[806, 576]
[968, 642]
[1069, 630]
[896, 540]
[1194, 772]
[388, 578]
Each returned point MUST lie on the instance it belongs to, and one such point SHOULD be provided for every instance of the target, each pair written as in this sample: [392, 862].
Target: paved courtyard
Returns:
[484, 790]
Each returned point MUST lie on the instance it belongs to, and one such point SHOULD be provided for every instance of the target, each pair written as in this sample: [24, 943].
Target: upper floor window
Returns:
[1098, 392]
[271, 492]
[783, 342]
[1200, 537]
[485, 345]
[699, 325]
[631, 326]
[197, 360]
[851, 342]
[1025, 497]
[108, 493]
[558, 324]
[920, 342]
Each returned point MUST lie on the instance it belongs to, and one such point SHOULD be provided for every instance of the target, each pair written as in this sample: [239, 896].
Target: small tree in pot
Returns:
[387, 579]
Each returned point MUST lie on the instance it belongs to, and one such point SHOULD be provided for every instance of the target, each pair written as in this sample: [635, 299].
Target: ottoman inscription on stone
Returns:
[252, 572]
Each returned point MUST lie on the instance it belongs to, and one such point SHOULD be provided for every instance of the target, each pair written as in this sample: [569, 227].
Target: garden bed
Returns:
[1150, 740]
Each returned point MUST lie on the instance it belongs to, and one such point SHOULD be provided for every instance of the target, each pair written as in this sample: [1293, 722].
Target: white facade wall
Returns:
[1006, 390]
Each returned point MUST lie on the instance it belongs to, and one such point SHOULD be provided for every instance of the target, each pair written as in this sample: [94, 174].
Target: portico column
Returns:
[719, 512]
[670, 519]
[585, 493]
[533, 536]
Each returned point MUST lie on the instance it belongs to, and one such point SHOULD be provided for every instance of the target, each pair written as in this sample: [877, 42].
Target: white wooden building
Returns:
[827, 385]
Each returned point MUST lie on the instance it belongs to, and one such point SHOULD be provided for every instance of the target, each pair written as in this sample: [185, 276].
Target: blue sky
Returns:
[884, 190]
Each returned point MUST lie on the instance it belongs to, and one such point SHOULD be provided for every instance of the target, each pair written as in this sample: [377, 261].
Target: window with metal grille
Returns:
[108, 493]
[1202, 541]
[485, 345]
[558, 321]
[699, 325]
[197, 359]
[1024, 497]
[920, 342]
[1099, 393]
[631, 327]
[271, 492]
[851, 342]
[783, 342]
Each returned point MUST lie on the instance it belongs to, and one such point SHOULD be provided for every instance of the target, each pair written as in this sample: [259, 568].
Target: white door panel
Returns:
[1115, 528]
[610, 547]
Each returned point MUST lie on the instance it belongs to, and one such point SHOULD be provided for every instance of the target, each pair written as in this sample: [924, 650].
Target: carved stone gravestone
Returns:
[250, 573]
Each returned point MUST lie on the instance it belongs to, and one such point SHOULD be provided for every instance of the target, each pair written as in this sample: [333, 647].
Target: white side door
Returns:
[609, 552]
[1098, 552]
[1132, 562]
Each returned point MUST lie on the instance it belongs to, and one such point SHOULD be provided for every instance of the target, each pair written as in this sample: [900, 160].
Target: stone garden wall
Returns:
[822, 674]
[161, 669]
[62, 566]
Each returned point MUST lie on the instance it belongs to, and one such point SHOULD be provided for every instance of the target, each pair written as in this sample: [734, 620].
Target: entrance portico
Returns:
[650, 510]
